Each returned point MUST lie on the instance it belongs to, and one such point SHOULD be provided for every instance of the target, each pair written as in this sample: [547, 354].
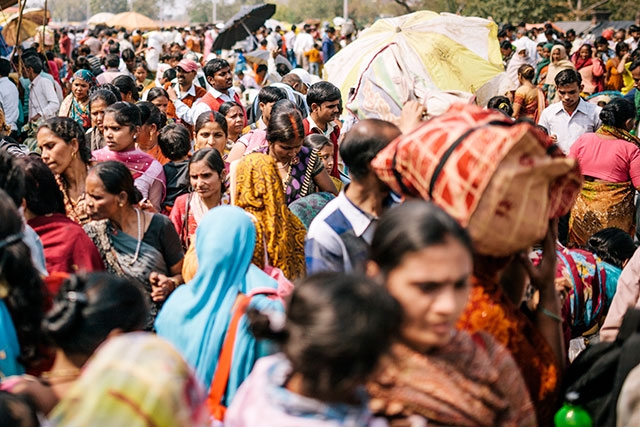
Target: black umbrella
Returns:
[242, 24]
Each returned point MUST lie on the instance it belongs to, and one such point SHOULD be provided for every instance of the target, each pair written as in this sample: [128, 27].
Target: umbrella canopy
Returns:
[132, 21]
[100, 18]
[416, 57]
[243, 24]
[28, 29]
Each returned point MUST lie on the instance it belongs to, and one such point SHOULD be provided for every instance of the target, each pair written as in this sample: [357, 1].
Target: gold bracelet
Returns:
[550, 314]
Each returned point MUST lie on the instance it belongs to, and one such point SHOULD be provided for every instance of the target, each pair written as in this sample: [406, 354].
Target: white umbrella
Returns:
[100, 18]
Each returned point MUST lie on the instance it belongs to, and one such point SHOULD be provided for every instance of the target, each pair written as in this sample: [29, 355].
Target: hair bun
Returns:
[67, 308]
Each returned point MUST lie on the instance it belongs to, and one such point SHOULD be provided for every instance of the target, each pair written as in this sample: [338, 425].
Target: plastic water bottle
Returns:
[572, 415]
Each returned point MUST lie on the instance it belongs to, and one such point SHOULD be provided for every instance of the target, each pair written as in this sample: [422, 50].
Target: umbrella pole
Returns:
[44, 26]
[250, 34]
[15, 48]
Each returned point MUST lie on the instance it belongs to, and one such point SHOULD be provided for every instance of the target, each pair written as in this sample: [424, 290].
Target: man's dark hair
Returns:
[34, 62]
[214, 66]
[112, 61]
[566, 77]
[5, 67]
[322, 92]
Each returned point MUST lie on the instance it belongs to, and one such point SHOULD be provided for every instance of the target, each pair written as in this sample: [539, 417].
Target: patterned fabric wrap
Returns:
[306, 208]
[503, 180]
[259, 191]
[134, 380]
[600, 205]
[472, 381]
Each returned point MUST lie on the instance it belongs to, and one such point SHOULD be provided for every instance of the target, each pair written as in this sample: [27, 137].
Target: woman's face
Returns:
[284, 152]
[326, 154]
[546, 53]
[97, 114]
[56, 153]
[100, 203]
[80, 89]
[433, 286]
[235, 120]
[555, 55]
[585, 52]
[204, 180]
[161, 102]
[116, 136]
[140, 74]
[211, 135]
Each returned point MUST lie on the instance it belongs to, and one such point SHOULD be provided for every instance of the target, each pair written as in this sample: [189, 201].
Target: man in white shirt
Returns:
[219, 76]
[303, 43]
[9, 96]
[43, 101]
[185, 93]
[290, 40]
[572, 116]
[634, 38]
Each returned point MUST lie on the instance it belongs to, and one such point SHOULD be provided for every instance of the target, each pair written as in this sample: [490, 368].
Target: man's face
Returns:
[569, 95]
[222, 79]
[327, 111]
[185, 78]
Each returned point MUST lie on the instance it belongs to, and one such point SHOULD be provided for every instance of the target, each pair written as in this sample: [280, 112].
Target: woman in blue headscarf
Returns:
[76, 104]
[197, 315]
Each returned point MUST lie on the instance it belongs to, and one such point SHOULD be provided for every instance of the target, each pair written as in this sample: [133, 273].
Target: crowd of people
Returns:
[175, 251]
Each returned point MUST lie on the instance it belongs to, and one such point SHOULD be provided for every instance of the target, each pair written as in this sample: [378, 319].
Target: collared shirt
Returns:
[9, 98]
[183, 111]
[200, 107]
[339, 237]
[42, 98]
[567, 128]
[330, 126]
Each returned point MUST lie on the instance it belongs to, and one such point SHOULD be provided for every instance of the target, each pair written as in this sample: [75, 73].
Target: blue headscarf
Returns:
[196, 315]
[87, 76]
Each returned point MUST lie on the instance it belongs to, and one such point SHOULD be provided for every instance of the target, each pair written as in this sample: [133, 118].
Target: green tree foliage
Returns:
[67, 10]
[113, 6]
[146, 7]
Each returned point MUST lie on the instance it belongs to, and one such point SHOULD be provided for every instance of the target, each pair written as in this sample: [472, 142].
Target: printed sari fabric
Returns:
[135, 380]
[472, 381]
[601, 205]
[280, 234]
[118, 251]
[491, 311]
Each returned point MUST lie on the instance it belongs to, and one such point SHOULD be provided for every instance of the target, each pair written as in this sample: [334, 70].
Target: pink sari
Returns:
[144, 168]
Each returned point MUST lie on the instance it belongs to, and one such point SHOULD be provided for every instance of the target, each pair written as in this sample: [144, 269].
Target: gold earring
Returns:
[121, 204]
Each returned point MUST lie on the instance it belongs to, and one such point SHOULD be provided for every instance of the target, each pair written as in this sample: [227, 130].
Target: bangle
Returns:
[175, 283]
[550, 314]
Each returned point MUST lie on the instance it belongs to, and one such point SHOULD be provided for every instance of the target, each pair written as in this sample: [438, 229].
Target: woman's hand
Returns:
[543, 276]
[161, 286]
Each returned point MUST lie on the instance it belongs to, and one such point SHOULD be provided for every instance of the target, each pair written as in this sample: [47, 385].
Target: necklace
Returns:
[285, 180]
[284, 165]
[135, 257]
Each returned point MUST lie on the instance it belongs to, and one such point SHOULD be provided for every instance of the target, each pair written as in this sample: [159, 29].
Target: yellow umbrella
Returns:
[132, 21]
[36, 15]
[27, 30]
[412, 56]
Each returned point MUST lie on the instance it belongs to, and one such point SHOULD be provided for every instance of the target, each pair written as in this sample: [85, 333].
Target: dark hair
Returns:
[169, 74]
[363, 142]
[601, 40]
[12, 177]
[506, 44]
[617, 112]
[213, 159]
[156, 92]
[151, 115]
[109, 88]
[116, 178]
[635, 64]
[271, 94]
[82, 63]
[214, 66]
[90, 306]
[68, 129]
[128, 54]
[612, 245]
[285, 123]
[527, 72]
[316, 141]
[620, 46]
[34, 62]
[12, 415]
[126, 85]
[142, 64]
[25, 299]
[111, 61]
[125, 114]
[227, 106]
[411, 227]
[322, 92]
[208, 117]
[571, 32]
[43, 194]
[174, 141]
[5, 67]
[337, 327]
[502, 104]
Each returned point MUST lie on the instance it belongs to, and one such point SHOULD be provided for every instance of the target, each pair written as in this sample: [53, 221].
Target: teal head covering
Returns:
[87, 76]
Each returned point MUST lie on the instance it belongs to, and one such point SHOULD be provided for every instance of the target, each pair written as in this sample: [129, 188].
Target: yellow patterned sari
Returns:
[280, 234]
